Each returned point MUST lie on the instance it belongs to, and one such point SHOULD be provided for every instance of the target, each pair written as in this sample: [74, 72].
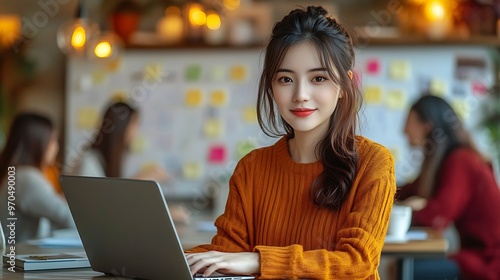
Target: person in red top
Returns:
[455, 186]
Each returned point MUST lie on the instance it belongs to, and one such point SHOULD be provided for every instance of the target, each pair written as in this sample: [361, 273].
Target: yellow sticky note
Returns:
[238, 73]
[193, 97]
[394, 152]
[244, 147]
[114, 65]
[438, 88]
[250, 114]
[396, 99]
[191, 170]
[119, 96]
[87, 118]
[98, 77]
[213, 128]
[373, 94]
[462, 108]
[153, 73]
[218, 74]
[400, 70]
[218, 98]
[138, 145]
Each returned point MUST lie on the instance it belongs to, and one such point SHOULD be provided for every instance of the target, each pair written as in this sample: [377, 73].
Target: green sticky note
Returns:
[193, 73]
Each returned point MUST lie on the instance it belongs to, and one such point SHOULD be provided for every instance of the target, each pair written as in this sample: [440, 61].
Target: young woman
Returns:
[455, 185]
[31, 146]
[107, 152]
[316, 204]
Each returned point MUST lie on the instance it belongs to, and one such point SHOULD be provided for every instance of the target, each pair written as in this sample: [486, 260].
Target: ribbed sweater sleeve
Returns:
[270, 211]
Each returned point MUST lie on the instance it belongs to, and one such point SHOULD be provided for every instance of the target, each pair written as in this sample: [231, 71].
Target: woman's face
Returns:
[132, 130]
[416, 131]
[305, 95]
[52, 150]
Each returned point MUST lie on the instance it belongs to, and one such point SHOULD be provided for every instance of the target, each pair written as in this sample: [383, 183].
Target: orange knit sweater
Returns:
[269, 210]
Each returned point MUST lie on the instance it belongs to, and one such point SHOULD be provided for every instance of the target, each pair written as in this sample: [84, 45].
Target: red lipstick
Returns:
[302, 112]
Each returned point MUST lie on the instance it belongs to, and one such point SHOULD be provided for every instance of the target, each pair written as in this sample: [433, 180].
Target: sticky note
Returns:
[118, 96]
[87, 118]
[395, 99]
[394, 152]
[217, 74]
[373, 66]
[193, 97]
[238, 73]
[478, 88]
[373, 94]
[193, 73]
[153, 73]
[138, 145]
[114, 65]
[192, 170]
[85, 83]
[213, 128]
[244, 147]
[217, 154]
[438, 87]
[218, 98]
[98, 77]
[399, 70]
[462, 109]
[250, 114]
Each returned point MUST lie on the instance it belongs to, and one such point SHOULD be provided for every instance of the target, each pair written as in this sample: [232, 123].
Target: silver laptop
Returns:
[126, 228]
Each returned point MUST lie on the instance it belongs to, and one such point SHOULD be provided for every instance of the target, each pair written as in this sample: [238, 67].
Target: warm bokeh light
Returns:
[10, 29]
[78, 38]
[196, 15]
[232, 4]
[435, 10]
[103, 50]
[213, 21]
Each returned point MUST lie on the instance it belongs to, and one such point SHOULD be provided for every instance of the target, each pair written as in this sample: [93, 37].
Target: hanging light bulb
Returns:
[73, 36]
[106, 46]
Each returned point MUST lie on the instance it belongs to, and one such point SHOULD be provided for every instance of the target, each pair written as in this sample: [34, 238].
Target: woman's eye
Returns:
[285, 80]
[319, 79]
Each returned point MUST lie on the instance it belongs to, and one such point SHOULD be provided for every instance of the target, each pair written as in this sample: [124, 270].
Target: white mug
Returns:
[400, 222]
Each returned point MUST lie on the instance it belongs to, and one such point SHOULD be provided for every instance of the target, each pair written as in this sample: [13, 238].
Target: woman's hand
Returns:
[416, 203]
[227, 263]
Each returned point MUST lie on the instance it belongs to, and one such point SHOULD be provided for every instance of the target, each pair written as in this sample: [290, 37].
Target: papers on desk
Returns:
[46, 261]
[410, 235]
[56, 242]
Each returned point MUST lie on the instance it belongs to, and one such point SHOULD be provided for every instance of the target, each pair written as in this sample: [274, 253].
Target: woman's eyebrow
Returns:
[310, 70]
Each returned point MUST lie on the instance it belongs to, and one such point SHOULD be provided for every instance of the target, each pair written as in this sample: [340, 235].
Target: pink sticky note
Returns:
[373, 66]
[217, 154]
[479, 88]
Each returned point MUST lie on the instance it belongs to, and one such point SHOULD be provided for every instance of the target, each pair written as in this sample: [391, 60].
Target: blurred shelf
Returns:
[147, 41]
[363, 41]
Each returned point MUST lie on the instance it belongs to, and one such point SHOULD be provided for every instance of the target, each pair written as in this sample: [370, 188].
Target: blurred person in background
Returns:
[106, 154]
[455, 186]
[31, 147]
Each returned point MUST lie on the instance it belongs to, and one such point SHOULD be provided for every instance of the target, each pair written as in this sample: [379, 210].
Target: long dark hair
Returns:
[337, 150]
[110, 141]
[446, 135]
[27, 142]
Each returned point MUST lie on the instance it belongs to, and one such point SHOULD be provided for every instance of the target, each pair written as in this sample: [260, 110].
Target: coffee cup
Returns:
[399, 222]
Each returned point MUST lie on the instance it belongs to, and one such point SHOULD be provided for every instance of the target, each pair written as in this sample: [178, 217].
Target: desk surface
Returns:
[434, 246]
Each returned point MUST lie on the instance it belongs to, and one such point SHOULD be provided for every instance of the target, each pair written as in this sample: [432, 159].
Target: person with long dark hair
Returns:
[316, 204]
[31, 146]
[106, 154]
[455, 186]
